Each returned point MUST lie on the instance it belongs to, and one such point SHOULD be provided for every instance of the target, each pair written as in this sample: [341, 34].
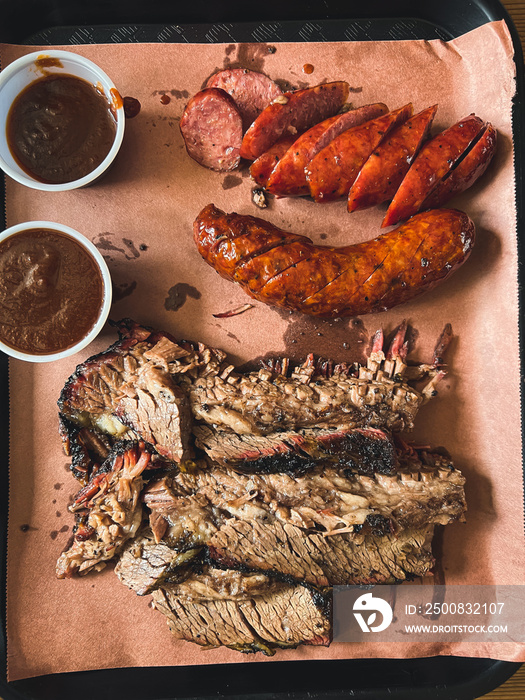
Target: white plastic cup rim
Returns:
[23, 71]
[106, 285]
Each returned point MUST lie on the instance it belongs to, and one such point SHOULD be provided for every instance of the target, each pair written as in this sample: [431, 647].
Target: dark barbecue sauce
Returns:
[60, 128]
[51, 291]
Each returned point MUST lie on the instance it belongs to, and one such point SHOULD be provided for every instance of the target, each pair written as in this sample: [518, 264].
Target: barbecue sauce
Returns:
[51, 291]
[60, 128]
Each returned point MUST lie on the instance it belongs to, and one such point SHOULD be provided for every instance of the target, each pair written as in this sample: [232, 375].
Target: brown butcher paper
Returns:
[140, 216]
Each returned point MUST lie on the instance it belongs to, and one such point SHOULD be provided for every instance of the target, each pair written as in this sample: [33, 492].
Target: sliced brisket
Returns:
[109, 511]
[253, 621]
[364, 450]
[135, 385]
[155, 387]
[145, 564]
[319, 560]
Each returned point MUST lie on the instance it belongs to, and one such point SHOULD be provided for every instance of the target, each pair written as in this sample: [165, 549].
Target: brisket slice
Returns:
[364, 450]
[426, 490]
[145, 564]
[134, 385]
[108, 509]
[259, 621]
[322, 561]
[154, 386]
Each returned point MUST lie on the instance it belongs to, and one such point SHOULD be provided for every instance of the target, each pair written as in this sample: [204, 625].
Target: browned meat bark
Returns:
[365, 450]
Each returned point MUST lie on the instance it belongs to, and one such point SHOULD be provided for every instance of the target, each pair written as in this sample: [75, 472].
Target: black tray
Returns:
[97, 21]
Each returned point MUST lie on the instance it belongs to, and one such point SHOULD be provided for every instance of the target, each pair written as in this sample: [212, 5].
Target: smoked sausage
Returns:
[251, 91]
[211, 126]
[288, 178]
[466, 172]
[334, 169]
[388, 164]
[295, 111]
[288, 270]
[262, 168]
[434, 161]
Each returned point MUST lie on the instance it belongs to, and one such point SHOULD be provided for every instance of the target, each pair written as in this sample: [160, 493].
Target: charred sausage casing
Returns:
[288, 270]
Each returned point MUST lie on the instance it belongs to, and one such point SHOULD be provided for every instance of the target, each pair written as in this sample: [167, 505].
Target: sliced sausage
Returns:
[287, 270]
[251, 91]
[289, 177]
[211, 127]
[466, 172]
[333, 170]
[388, 164]
[433, 162]
[295, 111]
[262, 168]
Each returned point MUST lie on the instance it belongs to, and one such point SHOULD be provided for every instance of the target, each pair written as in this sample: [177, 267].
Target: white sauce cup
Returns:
[25, 70]
[106, 284]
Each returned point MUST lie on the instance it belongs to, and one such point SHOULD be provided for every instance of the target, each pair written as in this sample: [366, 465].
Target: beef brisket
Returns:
[322, 561]
[262, 620]
[109, 511]
[364, 450]
[134, 385]
[157, 387]
[145, 564]
[426, 490]
[262, 488]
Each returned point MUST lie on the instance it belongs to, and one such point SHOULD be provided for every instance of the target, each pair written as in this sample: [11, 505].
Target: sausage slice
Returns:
[466, 172]
[433, 162]
[334, 169]
[251, 91]
[388, 164]
[211, 127]
[289, 177]
[293, 111]
[262, 168]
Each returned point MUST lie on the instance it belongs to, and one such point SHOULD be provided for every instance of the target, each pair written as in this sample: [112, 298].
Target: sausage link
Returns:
[288, 270]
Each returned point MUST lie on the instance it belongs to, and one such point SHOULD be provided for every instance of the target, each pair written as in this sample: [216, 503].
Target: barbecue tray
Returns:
[73, 22]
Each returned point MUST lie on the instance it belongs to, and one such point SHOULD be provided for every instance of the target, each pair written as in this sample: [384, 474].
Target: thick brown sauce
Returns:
[60, 128]
[51, 292]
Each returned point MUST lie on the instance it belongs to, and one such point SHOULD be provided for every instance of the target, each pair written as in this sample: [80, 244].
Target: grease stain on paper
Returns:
[123, 290]
[54, 533]
[178, 295]
[112, 247]
[231, 181]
